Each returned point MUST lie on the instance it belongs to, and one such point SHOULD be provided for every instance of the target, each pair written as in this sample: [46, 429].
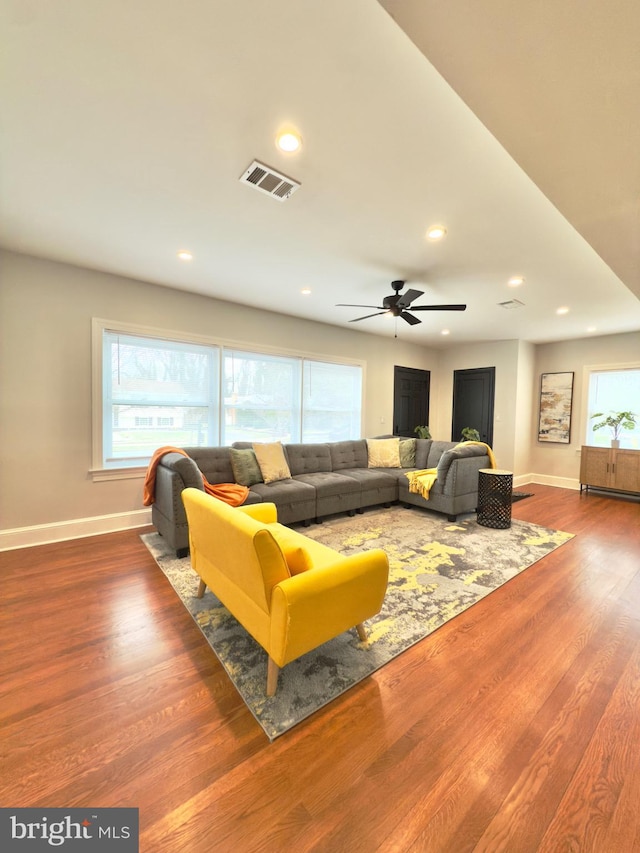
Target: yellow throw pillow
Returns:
[272, 462]
[383, 452]
[297, 557]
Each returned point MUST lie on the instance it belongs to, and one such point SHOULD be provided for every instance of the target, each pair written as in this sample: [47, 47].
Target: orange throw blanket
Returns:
[230, 493]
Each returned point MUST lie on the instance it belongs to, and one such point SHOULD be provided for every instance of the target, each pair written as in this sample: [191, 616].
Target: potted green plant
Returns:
[617, 422]
[470, 434]
[423, 432]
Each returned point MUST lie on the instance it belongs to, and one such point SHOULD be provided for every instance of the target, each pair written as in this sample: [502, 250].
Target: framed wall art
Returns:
[556, 397]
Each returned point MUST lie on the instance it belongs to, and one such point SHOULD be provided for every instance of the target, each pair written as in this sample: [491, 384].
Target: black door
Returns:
[473, 393]
[410, 399]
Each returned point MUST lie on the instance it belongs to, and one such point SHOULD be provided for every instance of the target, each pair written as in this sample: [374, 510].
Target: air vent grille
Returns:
[268, 181]
[511, 303]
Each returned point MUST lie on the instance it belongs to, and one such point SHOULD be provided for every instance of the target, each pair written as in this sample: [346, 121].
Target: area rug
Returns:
[437, 570]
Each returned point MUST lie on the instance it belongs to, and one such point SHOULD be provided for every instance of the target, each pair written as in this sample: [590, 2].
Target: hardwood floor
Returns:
[515, 727]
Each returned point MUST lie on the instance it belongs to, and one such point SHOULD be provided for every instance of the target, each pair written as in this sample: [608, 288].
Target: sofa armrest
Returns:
[185, 467]
[462, 476]
[311, 608]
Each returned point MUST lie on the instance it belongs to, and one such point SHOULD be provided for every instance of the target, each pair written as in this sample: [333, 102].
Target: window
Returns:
[331, 401]
[261, 397]
[613, 389]
[154, 391]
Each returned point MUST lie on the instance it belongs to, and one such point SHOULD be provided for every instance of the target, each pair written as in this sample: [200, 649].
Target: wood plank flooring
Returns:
[515, 727]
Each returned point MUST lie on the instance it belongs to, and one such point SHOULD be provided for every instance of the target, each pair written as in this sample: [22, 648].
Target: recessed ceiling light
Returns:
[184, 255]
[563, 310]
[306, 291]
[445, 332]
[436, 232]
[592, 328]
[515, 281]
[289, 141]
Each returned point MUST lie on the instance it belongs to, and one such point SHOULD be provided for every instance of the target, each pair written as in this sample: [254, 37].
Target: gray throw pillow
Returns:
[245, 467]
[407, 453]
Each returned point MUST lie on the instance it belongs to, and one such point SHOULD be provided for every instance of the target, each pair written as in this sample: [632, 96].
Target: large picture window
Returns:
[154, 391]
[613, 389]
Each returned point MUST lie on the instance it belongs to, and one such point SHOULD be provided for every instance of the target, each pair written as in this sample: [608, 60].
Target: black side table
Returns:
[494, 497]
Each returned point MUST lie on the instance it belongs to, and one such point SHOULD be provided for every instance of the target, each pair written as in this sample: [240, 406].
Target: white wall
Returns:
[46, 310]
[46, 490]
[503, 355]
[559, 464]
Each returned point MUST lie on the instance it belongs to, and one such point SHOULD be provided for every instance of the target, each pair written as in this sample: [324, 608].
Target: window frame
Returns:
[588, 370]
[98, 471]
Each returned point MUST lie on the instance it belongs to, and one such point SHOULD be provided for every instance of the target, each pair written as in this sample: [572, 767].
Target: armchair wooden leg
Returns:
[201, 588]
[362, 633]
[272, 677]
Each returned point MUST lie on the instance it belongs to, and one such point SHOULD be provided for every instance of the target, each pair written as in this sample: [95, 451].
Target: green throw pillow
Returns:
[245, 467]
[407, 453]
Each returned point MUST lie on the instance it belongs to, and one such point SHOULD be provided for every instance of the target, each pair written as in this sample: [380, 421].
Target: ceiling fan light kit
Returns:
[399, 305]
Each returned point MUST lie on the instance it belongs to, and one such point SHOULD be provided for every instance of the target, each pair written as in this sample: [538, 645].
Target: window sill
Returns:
[100, 475]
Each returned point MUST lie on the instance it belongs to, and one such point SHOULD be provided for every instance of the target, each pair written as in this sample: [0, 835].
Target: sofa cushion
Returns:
[245, 467]
[308, 458]
[348, 454]
[383, 452]
[294, 499]
[213, 462]
[423, 445]
[272, 462]
[329, 483]
[407, 452]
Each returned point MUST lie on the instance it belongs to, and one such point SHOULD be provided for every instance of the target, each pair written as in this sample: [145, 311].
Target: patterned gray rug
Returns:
[437, 570]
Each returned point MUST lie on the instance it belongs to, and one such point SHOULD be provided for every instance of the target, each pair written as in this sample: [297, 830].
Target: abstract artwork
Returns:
[556, 394]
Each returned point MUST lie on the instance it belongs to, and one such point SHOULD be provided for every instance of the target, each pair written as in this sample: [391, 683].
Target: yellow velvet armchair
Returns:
[290, 593]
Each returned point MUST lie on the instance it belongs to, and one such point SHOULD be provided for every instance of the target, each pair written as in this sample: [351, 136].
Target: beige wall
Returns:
[503, 355]
[46, 310]
[562, 461]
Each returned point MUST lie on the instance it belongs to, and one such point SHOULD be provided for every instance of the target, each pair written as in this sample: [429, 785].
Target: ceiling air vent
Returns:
[268, 181]
[511, 303]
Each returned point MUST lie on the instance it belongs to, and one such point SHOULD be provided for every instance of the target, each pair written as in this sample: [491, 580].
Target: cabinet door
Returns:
[595, 466]
[626, 470]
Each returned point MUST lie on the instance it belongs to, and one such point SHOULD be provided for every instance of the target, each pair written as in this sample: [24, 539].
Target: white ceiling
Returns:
[127, 124]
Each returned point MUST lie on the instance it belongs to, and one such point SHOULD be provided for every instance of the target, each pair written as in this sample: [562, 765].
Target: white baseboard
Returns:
[546, 480]
[78, 528]
[42, 534]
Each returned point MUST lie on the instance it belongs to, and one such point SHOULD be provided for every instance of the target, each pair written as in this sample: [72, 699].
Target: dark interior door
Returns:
[410, 399]
[473, 393]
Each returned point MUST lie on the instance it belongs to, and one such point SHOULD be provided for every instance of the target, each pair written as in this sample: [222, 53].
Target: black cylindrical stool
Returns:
[494, 497]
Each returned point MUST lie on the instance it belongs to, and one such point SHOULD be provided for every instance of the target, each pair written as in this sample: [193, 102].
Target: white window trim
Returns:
[97, 471]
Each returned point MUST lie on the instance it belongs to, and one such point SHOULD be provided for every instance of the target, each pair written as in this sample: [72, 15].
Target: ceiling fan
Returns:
[398, 305]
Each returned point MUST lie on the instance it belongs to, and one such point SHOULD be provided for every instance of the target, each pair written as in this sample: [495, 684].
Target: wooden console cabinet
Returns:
[606, 468]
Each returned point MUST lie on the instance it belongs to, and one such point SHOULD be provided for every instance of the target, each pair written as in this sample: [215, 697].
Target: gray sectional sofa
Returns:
[325, 479]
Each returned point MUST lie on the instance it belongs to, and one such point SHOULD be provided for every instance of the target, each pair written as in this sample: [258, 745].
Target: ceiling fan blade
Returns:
[368, 315]
[410, 318]
[408, 297]
[439, 308]
[346, 305]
